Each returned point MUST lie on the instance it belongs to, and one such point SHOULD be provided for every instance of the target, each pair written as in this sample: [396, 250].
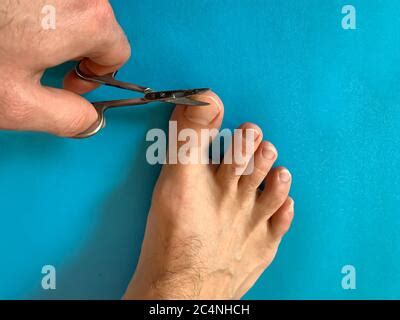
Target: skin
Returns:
[27, 50]
[210, 232]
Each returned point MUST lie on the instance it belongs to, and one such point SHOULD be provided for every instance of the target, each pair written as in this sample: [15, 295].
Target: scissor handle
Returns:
[98, 125]
[101, 108]
[109, 80]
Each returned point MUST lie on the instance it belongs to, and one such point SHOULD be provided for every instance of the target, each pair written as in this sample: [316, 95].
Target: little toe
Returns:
[239, 155]
[281, 220]
[264, 158]
[276, 190]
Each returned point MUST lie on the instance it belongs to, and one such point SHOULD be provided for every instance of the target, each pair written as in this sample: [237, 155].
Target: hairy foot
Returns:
[211, 232]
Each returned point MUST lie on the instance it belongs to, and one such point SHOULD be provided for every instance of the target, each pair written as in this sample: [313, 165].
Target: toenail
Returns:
[269, 153]
[204, 115]
[284, 176]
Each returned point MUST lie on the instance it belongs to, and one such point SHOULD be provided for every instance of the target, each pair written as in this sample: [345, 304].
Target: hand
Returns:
[85, 30]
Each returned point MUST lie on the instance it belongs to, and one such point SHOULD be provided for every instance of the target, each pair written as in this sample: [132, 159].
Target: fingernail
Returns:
[204, 115]
[284, 176]
[269, 153]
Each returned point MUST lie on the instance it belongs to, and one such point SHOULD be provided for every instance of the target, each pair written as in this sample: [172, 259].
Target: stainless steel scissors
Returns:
[183, 97]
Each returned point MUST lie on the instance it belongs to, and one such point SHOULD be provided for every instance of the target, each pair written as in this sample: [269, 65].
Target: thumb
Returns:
[55, 111]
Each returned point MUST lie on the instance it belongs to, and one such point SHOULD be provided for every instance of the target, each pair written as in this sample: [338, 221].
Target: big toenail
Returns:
[269, 153]
[285, 176]
[204, 115]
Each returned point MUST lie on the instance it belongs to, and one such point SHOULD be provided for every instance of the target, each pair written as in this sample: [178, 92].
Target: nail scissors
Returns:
[183, 97]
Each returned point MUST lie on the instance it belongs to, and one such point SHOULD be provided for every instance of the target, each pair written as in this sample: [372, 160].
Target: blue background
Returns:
[327, 97]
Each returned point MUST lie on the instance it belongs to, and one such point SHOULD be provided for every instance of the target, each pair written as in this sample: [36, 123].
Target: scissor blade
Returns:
[174, 95]
[188, 102]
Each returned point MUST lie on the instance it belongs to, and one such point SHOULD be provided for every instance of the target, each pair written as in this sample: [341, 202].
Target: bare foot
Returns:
[211, 233]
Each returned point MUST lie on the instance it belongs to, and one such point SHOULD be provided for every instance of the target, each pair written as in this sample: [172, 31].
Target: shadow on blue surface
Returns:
[107, 260]
[104, 264]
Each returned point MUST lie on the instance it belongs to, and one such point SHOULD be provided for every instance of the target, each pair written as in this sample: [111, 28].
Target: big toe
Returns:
[195, 127]
[200, 117]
